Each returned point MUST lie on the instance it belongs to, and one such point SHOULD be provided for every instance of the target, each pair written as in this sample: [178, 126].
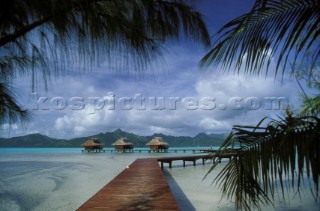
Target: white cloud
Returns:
[7, 126]
[82, 122]
[182, 121]
[182, 80]
[178, 77]
[210, 124]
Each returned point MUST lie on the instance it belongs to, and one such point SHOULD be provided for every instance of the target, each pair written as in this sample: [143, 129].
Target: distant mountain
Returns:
[39, 140]
[32, 140]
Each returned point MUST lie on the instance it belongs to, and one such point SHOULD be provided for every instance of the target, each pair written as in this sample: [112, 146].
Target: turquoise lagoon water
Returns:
[64, 178]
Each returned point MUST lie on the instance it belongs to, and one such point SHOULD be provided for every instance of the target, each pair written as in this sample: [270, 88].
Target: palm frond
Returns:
[45, 38]
[280, 30]
[96, 30]
[281, 153]
[10, 110]
[311, 105]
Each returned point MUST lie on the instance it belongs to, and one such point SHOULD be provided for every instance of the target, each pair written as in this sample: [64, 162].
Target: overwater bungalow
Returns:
[122, 144]
[158, 144]
[92, 145]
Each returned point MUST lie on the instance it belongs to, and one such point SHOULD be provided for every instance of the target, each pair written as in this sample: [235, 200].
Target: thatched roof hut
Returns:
[122, 143]
[157, 143]
[92, 143]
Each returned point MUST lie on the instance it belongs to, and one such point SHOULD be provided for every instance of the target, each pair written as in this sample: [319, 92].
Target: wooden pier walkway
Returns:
[194, 151]
[142, 186]
[193, 158]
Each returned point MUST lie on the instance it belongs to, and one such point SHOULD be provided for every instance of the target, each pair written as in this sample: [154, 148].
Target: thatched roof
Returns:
[157, 141]
[121, 142]
[92, 142]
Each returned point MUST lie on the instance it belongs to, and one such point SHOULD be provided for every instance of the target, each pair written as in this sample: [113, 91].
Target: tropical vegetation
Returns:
[274, 31]
[41, 39]
[280, 153]
[47, 38]
[310, 74]
[283, 151]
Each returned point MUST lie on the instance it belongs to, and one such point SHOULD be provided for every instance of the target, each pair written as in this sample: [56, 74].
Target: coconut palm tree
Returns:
[274, 151]
[44, 38]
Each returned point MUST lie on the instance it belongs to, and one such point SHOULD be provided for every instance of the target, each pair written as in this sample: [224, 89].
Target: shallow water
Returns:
[63, 179]
[194, 193]
[54, 180]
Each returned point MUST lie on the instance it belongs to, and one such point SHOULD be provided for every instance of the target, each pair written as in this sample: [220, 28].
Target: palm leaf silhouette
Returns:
[281, 153]
[283, 30]
[48, 38]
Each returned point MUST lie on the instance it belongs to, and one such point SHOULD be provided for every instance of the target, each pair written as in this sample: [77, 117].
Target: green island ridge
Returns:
[39, 140]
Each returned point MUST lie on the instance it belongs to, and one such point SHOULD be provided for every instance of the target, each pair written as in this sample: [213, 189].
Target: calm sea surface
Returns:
[64, 178]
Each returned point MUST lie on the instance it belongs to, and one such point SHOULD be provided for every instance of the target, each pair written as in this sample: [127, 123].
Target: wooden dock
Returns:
[93, 150]
[194, 151]
[142, 186]
[193, 159]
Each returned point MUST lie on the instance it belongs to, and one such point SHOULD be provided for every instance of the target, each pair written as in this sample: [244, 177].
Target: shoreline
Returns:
[63, 180]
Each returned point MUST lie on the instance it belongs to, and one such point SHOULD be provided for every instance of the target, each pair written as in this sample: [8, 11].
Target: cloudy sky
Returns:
[174, 98]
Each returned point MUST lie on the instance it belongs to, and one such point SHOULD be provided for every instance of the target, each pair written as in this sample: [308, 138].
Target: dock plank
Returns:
[142, 186]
